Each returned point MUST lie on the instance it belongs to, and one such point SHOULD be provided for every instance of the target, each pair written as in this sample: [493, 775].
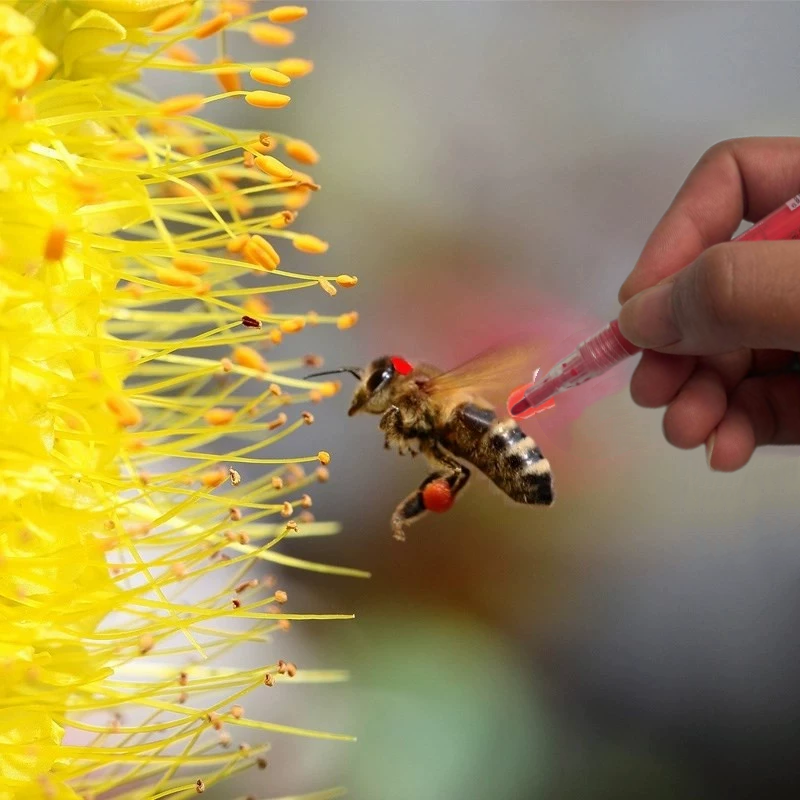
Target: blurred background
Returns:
[492, 169]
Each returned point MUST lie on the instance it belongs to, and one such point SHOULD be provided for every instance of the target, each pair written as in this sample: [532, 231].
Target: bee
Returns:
[450, 418]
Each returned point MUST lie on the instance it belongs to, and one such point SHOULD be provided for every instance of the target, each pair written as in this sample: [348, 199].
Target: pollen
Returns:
[181, 52]
[346, 281]
[146, 643]
[278, 422]
[271, 35]
[323, 475]
[346, 321]
[281, 219]
[236, 479]
[190, 264]
[276, 483]
[263, 99]
[171, 17]
[246, 356]
[328, 287]
[280, 596]
[127, 414]
[213, 25]
[229, 79]
[295, 67]
[292, 325]
[301, 151]
[219, 416]
[308, 418]
[271, 166]
[307, 243]
[275, 336]
[269, 76]
[287, 509]
[178, 278]
[181, 104]
[257, 306]
[236, 244]
[286, 14]
[329, 388]
[213, 478]
[324, 457]
[56, 242]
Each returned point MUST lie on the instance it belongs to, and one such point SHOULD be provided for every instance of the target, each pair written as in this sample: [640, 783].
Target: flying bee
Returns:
[449, 418]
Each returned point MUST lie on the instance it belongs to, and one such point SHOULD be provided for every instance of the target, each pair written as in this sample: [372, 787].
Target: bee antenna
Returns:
[357, 373]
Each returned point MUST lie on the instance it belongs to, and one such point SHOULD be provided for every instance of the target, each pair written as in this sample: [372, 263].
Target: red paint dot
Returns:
[401, 365]
[437, 497]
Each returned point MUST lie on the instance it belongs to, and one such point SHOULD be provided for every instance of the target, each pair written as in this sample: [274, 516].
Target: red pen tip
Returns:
[522, 407]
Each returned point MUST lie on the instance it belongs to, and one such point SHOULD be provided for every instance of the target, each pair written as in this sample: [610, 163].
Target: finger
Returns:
[697, 410]
[743, 295]
[658, 378]
[761, 411]
[734, 180]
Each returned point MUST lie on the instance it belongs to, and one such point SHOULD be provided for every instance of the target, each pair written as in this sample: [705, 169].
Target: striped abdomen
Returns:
[501, 450]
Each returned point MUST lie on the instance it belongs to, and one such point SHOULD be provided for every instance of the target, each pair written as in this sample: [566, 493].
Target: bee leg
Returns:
[413, 507]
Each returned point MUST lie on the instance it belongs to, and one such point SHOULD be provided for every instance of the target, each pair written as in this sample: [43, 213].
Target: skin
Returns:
[722, 318]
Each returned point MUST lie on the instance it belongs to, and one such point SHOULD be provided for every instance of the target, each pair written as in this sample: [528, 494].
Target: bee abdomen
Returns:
[506, 454]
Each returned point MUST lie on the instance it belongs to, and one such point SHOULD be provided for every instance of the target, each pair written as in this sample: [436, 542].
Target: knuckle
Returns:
[719, 151]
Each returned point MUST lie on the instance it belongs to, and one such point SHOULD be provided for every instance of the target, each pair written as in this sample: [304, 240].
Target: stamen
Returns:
[309, 244]
[271, 35]
[263, 99]
[171, 17]
[269, 76]
[302, 151]
[287, 14]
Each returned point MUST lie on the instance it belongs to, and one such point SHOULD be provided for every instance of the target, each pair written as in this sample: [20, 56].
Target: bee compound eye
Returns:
[378, 378]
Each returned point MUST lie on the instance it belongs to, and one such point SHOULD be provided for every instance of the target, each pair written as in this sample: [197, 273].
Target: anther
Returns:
[213, 25]
[263, 99]
[307, 243]
[271, 35]
[251, 322]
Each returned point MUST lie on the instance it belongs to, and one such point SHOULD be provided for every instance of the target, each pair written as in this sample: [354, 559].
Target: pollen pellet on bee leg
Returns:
[437, 497]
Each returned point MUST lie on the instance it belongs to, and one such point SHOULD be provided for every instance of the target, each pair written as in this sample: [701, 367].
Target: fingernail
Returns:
[647, 320]
[710, 442]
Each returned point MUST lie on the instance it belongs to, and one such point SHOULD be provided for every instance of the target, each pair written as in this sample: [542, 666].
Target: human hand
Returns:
[721, 332]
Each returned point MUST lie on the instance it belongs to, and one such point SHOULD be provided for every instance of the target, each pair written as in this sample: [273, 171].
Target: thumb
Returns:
[738, 294]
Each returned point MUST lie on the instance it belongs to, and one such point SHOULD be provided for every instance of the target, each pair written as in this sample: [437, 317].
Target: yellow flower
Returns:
[139, 395]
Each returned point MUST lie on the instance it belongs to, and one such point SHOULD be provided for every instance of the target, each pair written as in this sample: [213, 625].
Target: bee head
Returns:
[373, 393]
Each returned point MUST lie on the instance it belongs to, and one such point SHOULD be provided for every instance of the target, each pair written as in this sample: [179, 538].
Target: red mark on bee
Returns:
[401, 365]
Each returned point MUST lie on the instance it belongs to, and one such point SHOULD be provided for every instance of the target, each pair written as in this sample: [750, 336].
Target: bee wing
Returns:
[490, 376]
